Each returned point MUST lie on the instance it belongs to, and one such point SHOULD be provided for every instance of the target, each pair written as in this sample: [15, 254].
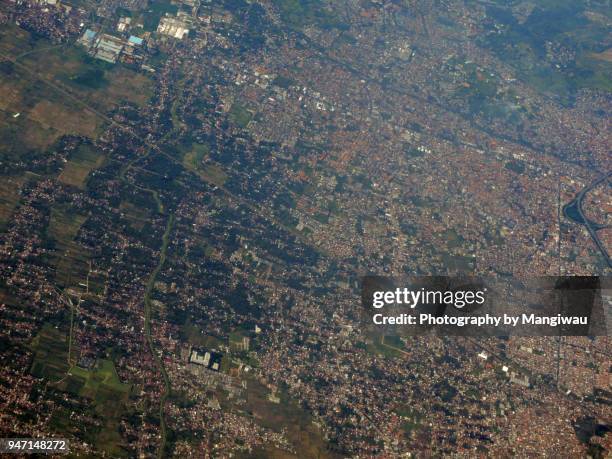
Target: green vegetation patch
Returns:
[412, 152]
[458, 263]
[556, 48]
[93, 78]
[300, 13]
[101, 384]
[201, 250]
[196, 154]
[109, 395]
[321, 218]
[395, 341]
[210, 172]
[288, 416]
[100, 84]
[480, 89]
[214, 174]
[50, 349]
[380, 347]
[237, 335]
[70, 259]
[72, 266]
[85, 159]
[156, 11]
[515, 166]
[64, 223]
[240, 115]
[138, 216]
[236, 340]
[411, 419]
[33, 116]
[9, 197]
[453, 239]
[22, 137]
[195, 336]
[283, 81]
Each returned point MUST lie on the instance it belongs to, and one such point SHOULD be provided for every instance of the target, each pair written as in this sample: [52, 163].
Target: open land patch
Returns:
[50, 115]
[9, 197]
[71, 259]
[101, 384]
[287, 414]
[83, 161]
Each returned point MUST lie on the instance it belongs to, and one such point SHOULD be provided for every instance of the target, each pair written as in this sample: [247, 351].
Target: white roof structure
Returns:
[173, 27]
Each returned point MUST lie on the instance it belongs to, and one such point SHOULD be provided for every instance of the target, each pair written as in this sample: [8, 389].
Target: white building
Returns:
[173, 27]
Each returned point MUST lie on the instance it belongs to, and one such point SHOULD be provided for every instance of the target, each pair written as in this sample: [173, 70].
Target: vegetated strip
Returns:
[147, 326]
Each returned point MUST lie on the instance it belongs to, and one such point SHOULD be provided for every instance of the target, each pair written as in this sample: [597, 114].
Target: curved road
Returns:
[577, 201]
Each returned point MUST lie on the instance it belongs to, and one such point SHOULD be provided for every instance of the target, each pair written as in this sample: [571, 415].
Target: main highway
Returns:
[577, 202]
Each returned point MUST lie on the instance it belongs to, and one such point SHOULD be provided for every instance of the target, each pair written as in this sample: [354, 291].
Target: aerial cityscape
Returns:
[193, 190]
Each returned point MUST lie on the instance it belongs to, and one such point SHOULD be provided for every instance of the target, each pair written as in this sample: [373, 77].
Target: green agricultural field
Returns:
[71, 260]
[99, 83]
[82, 162]
[110, 396]
[237, 335]
[137, 216]
[100, 384]
[287, 415]
[193, 158]
[33, 116]
[72, 265]
[240, 115]
[452, 238]
[9, 197]
[458, 263]
[97, 282]
[578, 24]
[196, 337]
[213, 173]
[53, 86]
[382, 348]
[299, 13]
[50, 349]
[23, 134]
[411, 419]
[64, 224]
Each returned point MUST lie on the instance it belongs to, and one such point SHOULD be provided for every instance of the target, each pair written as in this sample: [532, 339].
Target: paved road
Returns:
[577, 201]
